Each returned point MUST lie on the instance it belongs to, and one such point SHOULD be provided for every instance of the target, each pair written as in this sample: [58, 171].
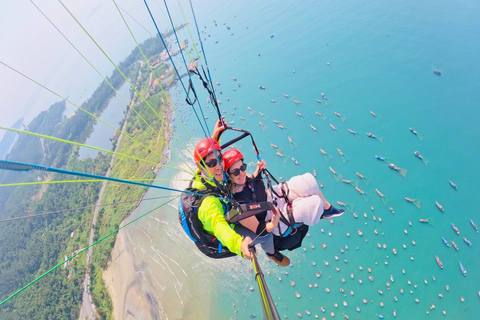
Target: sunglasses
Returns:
[212, 163]
[242, 168]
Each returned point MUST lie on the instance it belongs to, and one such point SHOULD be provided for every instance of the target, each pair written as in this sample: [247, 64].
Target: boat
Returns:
[262, 87]
[313, 128]
[413, 130]
[424, 220]
[455, 228]
[392, 166]
[454, 245]
[474, 225]
[446, 242]
[467, 241]
[439, 206]
[454, 186]
[437, 72]
[462, 268]
[439, 262]
[382, 158]
[318, 100]
[273, 145]
[295, 161]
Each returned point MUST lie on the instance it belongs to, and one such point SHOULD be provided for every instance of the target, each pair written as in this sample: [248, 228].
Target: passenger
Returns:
[250, 189]
[301, 194]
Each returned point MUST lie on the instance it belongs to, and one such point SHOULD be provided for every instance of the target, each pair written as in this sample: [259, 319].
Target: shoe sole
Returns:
[333, 216]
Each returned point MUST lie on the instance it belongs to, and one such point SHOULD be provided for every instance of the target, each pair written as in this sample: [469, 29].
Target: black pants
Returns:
[292, 241]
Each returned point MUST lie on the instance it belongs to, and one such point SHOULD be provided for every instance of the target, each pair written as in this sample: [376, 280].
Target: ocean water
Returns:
[113, 114]
[382, 56]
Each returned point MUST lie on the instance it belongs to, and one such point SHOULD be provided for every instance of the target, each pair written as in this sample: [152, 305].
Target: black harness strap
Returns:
[248, 210]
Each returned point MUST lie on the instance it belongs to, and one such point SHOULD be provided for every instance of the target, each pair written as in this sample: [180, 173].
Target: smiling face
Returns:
[215, 171]
[242, 177]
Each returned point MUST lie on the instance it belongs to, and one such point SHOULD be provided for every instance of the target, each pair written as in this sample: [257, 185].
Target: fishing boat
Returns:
[467, 241]
[462, 268]
[455, 228]
[439, 262]
[454, 186]
[446, 242]
[454, 245]
[439, 206]
[474, 225]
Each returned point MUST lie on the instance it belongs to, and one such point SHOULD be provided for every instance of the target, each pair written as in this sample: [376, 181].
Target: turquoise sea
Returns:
[381, 57]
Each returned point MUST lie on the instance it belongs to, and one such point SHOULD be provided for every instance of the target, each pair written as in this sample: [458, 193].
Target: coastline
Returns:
[123, 278]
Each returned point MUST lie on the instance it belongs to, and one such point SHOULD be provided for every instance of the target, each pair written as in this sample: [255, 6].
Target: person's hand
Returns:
[275, 217]
[220, 127]
[261, 165]
[246, 248]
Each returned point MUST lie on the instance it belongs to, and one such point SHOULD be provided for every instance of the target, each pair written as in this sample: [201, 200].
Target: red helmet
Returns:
[204, 147]
[230, 157]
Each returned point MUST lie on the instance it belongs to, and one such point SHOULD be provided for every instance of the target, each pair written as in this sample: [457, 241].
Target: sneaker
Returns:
[279, 258]
[332, 213]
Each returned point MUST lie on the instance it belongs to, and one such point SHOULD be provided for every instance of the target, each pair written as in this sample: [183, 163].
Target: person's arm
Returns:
[210, 214]
[259, 227]
[261, 165]
[219, 128]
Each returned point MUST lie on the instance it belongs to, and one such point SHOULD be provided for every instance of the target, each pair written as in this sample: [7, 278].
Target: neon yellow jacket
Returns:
[210, 213]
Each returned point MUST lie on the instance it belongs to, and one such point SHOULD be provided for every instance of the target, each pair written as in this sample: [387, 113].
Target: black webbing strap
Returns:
[247, 210]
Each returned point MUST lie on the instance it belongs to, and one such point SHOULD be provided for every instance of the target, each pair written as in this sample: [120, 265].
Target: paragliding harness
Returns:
[188, 205]
[289, 219]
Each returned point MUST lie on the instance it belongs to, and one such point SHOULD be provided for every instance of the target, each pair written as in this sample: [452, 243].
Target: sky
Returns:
[30, 44]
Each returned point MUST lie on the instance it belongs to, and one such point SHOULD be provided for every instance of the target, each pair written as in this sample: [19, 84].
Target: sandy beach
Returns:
[130, 301]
